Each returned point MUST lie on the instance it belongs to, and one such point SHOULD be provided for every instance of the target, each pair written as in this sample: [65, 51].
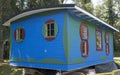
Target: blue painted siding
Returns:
[34, 45]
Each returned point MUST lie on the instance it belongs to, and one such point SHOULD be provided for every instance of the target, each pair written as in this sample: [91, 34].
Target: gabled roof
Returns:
[77, 12]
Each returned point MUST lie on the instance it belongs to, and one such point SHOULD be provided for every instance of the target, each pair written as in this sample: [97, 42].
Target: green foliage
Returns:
[108, 12]
[36, 3]
[85, 4]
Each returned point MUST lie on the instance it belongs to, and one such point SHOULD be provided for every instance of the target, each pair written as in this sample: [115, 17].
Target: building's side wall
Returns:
[34, 51]
[76, 59]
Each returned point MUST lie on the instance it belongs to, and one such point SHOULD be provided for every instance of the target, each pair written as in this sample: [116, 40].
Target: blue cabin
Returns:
[63, 37]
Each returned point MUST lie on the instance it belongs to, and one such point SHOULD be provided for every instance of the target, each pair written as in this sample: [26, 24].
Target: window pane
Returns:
[48, 26]
[84, 31]
[17, 34]
[48, 33]
[52, 33]
[98, 39]
[52, 26]
[20, 33]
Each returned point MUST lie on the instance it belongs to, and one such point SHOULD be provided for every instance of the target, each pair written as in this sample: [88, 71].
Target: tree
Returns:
[109, 14]
[36, 3]
[10, 7]
[85, 4]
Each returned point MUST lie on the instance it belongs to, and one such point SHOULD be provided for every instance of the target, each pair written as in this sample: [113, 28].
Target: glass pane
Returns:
[20, 33]
[48, 26]
[17, 34]
[48, 33]
[84, 32]
[107, 38]
[98, 40]
[52, 26]
[52, 33]
[84, 47]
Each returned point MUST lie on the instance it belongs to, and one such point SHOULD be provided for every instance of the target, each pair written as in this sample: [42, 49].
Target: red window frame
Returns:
[87, 48]
[81, 30]
[100, 31]
[107, 43]
[84, 40]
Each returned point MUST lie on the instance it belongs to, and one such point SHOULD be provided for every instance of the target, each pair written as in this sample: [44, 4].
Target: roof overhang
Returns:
[74, 10]
[34, 11]
[83, 15]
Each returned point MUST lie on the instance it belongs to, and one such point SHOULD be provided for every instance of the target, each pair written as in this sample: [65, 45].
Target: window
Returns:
[107, 43]
[107, 49]
[19, 34]
[84, 39]
[84, 31]
[98, 39]
[106, 37]
[50, 30]
[84, 48]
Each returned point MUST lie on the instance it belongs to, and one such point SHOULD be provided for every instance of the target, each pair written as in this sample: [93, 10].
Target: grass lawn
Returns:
[5, 69]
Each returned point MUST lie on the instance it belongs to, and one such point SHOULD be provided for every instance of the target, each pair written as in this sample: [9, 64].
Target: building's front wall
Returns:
[34, 50]
[76, 59]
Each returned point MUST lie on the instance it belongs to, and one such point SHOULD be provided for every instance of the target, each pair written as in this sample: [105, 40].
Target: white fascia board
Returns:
[7, 23]
[81, 10]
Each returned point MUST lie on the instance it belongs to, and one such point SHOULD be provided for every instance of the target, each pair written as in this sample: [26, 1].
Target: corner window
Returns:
[50, 30]
[19, 34]
[98, 39]
[84, 39]
[107, 43]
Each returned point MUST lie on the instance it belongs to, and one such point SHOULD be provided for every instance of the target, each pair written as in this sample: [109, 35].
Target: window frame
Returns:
[100, 31]
[86, 48]
[81, 31]
[19, 34]
[47, 30]
[107, 42]
[84, 40]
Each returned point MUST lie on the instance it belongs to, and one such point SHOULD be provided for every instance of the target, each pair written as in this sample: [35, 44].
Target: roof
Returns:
[77, 12]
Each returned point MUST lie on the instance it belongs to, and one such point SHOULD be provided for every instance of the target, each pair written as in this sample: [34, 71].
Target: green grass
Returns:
[5, 69]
